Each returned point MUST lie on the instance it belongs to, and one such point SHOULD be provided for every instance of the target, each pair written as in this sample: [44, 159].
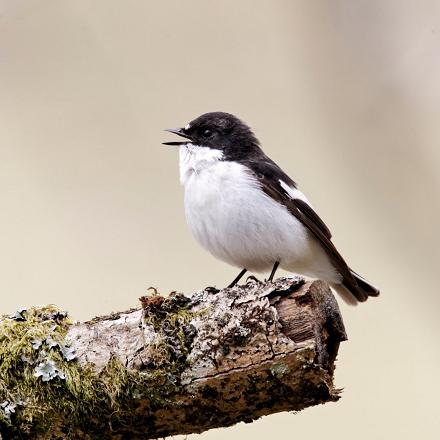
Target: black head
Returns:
[220, 131]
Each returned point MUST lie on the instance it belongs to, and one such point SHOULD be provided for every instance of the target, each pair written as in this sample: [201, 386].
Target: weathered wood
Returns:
[181, 365]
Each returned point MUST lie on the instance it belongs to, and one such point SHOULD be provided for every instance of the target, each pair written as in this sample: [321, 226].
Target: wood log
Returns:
[174, 365]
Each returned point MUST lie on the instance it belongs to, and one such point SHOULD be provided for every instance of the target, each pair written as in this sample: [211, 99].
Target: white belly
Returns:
[237, 222]
[231, 217]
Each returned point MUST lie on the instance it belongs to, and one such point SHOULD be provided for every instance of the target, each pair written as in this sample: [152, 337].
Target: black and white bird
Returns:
[245, 210]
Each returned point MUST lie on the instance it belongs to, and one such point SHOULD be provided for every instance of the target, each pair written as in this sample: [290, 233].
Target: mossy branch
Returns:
[174, 365]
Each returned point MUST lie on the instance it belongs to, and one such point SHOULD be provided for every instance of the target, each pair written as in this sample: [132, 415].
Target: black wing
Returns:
[269, 175]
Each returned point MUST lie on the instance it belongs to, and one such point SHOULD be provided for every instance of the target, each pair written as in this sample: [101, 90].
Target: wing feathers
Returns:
[269, 176]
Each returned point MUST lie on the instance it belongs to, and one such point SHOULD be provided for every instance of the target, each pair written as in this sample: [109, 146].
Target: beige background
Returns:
[344, 94]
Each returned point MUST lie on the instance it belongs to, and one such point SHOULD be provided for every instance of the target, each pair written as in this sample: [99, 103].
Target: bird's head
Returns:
[219, 131]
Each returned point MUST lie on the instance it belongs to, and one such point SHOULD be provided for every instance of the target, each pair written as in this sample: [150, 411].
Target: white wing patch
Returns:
[294, 193]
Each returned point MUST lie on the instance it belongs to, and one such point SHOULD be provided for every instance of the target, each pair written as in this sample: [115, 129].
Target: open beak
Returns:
[179, 132]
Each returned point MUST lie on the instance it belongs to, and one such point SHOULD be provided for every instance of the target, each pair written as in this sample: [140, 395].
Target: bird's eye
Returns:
[207, 133]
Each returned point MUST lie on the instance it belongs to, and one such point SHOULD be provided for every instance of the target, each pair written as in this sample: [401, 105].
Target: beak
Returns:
[179, 132]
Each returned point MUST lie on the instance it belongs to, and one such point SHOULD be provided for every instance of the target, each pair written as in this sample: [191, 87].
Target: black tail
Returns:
[368, 288]
[359, 290]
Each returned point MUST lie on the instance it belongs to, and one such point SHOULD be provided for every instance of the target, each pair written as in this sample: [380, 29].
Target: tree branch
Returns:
[175, 365]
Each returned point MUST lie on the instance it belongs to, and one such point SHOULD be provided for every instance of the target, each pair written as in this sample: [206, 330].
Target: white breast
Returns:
[234, 219]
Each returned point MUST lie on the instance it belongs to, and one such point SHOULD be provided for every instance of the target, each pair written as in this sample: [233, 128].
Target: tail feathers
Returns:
[357, 291]
[367, 287]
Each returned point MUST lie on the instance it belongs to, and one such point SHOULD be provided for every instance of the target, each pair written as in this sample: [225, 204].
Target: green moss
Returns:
[170, 317]
[32, 406]
[23, 348]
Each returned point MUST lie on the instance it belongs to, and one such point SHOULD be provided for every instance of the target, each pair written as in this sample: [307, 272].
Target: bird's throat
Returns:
[195, 159]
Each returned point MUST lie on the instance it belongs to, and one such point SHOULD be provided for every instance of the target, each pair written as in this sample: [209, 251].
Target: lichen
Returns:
[279, 370]
[30, 354]
[42, 384]
[171, 319]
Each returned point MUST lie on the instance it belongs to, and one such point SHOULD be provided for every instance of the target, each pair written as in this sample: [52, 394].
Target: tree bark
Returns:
[175, 365]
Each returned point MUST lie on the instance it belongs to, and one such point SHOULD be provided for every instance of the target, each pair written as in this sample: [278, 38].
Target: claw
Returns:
[251, 277]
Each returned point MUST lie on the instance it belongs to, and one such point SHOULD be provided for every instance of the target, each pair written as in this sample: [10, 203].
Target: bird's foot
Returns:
[253, 278]
[268, 280]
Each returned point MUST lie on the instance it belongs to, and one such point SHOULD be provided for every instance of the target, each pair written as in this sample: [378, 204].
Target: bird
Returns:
[246, 211]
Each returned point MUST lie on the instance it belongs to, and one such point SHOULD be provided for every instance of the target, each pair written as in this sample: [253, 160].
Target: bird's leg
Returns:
[272, 274]
[237, 278]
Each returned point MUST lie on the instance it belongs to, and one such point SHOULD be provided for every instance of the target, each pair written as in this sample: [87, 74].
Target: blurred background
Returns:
[344, 94]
